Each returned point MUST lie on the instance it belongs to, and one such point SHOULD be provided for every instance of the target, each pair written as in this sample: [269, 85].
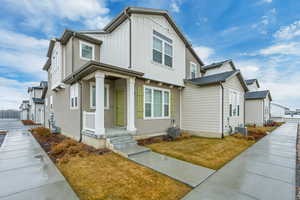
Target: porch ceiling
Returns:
[93, 66]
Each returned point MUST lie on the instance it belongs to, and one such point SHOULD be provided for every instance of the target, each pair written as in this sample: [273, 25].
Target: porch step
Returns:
[125, 145]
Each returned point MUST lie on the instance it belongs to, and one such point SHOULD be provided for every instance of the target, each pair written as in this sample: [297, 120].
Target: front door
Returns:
[120, 107]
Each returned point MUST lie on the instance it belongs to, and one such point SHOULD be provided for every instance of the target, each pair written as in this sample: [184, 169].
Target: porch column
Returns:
[130, 105]
[99, 114]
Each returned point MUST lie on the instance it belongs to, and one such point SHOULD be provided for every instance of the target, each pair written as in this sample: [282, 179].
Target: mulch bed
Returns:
[59, 147]
[298, 165]
[29, 122]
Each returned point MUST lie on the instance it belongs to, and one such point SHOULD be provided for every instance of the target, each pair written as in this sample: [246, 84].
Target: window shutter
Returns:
[172, 105]
[140, 103]
[230, 110]
[238, 110]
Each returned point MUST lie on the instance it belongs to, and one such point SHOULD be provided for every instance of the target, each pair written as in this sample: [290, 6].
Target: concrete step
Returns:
[119, 139]
[130, 150]
[124, 145]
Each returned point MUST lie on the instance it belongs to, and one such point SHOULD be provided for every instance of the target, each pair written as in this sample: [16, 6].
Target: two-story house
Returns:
[138, 76]
[24, 110]
[36, 102]
[258, 103]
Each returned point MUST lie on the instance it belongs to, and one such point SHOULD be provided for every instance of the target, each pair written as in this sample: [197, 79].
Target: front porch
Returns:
[108, 108]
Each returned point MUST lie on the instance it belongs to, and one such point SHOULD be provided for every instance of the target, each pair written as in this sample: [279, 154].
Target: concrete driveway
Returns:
[26, 172]
[264, 171]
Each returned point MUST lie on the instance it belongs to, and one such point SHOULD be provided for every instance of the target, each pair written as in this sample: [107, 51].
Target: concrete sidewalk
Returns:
[264, 171]
[26, 172]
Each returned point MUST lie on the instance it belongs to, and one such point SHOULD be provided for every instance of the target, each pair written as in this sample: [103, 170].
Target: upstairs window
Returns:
[162, 51]
[51, 102]
[86, 51]
[193, 70]
[74, 93]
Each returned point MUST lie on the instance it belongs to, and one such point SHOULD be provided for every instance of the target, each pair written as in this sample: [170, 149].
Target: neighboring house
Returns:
[36, 103]
[24, 110]
[278, 111]
[257, 104]
[219, 67]
[213, 105]
[126, 79]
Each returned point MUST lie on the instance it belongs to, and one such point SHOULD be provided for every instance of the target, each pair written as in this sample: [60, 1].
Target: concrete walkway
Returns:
[184, 172]
[26, 172]
[264, 171]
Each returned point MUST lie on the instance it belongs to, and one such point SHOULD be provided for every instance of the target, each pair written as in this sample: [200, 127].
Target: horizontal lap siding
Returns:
[201, 109]
[234, 121]
[254, 113]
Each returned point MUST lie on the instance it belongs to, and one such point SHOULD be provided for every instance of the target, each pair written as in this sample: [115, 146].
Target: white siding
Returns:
[277, 111]
[267, 109]
[254, 112]
[201, 110]
[226, 67]
[253, 87]
[56, 66]
[115, 47]
[234, 121]
[142, 34]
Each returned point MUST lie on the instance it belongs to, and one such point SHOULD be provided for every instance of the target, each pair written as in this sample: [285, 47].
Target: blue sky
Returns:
[261, 36]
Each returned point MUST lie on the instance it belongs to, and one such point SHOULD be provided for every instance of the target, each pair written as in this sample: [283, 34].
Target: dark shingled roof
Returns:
[38, 100]
[212, 79]
[215, 65]
[257, 95]
[250, 81]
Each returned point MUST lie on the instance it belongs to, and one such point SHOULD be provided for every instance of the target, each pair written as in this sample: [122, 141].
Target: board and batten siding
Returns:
[233, 84]
[226, 67]
[142, 43]
[115, 46]
[201, 110]
[254, 112]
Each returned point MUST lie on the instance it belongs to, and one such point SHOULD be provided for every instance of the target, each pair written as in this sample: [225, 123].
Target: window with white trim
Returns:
[234, 103]
[193, 70]
[162, 50]
[87, 51]
[46, 101]
[51, 102]
[74, 96]
[93, 96]
[156, 103]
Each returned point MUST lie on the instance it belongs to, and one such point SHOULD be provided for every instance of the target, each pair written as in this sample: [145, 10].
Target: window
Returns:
[86, 51]
[234, 104]
[162, 51]
[74, 95]
[157, 103]
[51, 102]
[46, 101]
[93, 96]
[193, 70]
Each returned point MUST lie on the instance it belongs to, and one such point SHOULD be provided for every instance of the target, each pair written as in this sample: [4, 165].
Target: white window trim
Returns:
[163, 51]
[76, 85]
[152, 103]
[192, 64]
[80, 50]
[238, 103]
[91, 93]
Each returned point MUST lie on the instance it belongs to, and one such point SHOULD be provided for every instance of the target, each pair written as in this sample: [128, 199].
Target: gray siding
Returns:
[201, 110]
[254, 112]
[151, 126]
[190, 58]
[234, 121]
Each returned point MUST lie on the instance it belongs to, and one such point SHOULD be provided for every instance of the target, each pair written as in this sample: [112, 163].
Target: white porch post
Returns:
[130, 105]
[99, 115]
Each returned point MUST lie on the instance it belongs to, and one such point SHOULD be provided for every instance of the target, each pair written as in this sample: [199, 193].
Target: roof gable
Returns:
[251, 81]
[258, 95]
[219, 64]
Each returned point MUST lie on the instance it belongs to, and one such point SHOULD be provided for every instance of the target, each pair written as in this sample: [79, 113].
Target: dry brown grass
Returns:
[28, 122]
[208, 152]
[41, 131]
[111, 177]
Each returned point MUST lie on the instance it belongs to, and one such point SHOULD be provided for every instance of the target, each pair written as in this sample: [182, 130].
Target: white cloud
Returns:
[288, 32]
[12, 92]
[97, 22]
[263, 25]
[174, 7]
[292, 48]
[204, 53]
[42, 14]
[23, 53]
[267, 1]
[249, 68]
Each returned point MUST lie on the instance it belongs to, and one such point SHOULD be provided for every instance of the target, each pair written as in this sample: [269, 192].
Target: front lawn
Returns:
[207, 152]
[100, 174]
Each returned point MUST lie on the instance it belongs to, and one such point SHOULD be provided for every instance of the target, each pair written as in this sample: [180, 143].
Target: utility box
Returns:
[242, 130]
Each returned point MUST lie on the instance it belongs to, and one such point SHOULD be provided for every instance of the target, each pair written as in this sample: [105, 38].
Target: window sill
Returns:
[94, 108]
[162, 65]
[155, 118]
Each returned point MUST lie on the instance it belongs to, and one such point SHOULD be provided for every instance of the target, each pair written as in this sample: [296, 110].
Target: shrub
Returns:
[28, 122]
[62, 148]
[41, 131]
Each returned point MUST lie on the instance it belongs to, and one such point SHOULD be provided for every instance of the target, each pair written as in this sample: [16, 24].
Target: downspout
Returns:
[222, 111]
[130, 38]
[72, 60]
[80, 110]
[244, 111]
[263, 112]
